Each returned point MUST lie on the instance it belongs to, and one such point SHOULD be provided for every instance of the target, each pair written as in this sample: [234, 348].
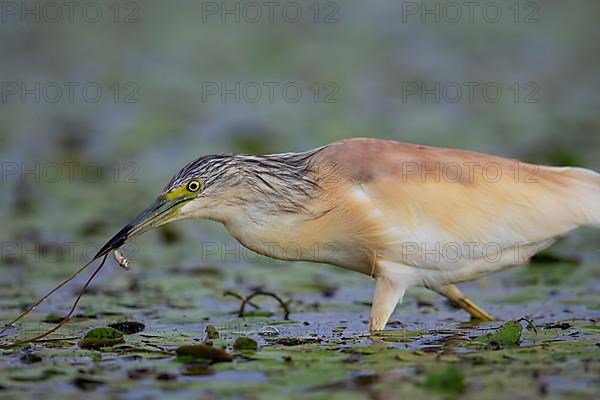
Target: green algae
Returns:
[245, 343]
[101, 337]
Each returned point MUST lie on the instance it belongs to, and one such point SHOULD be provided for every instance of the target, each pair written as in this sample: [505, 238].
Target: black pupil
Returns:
[193, 186]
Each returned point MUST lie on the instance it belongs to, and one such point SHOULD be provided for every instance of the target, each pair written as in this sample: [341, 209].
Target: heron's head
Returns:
[218, 186]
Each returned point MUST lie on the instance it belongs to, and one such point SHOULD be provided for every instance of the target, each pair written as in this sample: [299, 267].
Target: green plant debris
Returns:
[211, 332]
[197, 370]
[101, 337]
[128, 327]
[508, 334]
[203, 351]
[104, 334]
[449, 380]
[309, 355]
[294, 341]
[245, 343]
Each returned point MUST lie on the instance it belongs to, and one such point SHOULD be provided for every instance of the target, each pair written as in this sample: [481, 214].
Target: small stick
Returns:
[62, 339]
[68, 316]
[40, 301]
[239, 297]
[529, 324]
[286, 310]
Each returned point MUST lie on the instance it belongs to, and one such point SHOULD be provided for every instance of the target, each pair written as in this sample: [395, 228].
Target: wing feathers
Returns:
[433, 197]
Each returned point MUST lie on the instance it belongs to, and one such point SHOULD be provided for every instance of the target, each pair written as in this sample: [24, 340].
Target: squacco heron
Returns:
[404, 214]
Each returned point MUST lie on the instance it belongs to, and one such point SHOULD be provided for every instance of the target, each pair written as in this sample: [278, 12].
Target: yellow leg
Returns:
[452, 293]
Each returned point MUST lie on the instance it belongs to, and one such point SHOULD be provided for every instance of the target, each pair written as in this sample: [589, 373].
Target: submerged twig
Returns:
[40, 301]
[239, 297]
[62, 339]
[70, 313]
[529, 324]
[283, 304]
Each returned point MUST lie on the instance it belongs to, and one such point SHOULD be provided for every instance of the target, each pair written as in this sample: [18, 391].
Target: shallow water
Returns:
[323, 350]
[49, 227]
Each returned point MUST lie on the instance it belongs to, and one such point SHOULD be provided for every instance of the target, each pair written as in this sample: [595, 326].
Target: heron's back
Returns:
[391, 195]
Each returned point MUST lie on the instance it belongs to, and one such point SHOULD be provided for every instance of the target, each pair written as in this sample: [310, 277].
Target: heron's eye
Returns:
[193, 186]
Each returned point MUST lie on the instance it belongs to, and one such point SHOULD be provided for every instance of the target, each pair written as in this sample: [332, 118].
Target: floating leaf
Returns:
[203, 351]
[245, 343]
[197, 370]
[128, 327]
[295, 341]
[104, 334]
[101, 337]
[449, 380]
[508, 334]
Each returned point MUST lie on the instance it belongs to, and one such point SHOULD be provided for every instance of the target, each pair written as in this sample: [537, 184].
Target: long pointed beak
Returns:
[159, 212]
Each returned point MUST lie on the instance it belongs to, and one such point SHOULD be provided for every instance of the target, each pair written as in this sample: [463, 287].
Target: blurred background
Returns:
[101, 102]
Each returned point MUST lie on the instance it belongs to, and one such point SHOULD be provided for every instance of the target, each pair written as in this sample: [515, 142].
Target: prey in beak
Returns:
[165, 208]
[162, 210]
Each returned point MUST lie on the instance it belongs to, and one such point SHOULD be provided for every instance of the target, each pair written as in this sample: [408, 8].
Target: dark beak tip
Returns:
[133, 228]
[117, 241]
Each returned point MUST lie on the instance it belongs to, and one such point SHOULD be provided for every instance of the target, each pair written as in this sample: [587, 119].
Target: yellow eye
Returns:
[193, 186]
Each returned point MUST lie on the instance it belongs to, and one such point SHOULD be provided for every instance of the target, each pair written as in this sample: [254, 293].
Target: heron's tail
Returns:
[594, 202]
[585, 194]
